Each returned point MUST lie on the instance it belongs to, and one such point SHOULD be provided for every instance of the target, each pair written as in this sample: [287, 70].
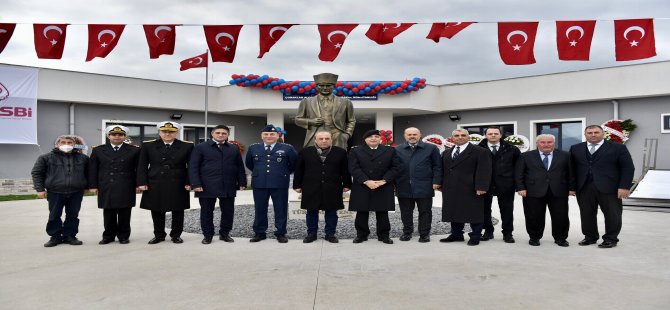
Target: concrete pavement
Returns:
[372, 275]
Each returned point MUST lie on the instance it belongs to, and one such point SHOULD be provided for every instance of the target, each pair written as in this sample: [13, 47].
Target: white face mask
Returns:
[66, 148]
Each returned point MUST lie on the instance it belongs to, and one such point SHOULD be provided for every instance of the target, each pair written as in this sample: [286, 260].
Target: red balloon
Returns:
[392, 92]
[399, 89]
[348, 85]
[287, 90]
[340, 93]
[259, 85]
[377, 88]
[276, 87]
[266, 82]
[422, 81]
[354, 89]
[308, 88]
[301, 90]
[339, 83]
[283, 85]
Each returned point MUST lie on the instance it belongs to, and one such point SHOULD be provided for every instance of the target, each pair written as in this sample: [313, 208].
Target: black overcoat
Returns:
[218, 170]
[504, 162]
[367, 164]
[165, 172]
[322, 182]
[462, 177]
[113, 173]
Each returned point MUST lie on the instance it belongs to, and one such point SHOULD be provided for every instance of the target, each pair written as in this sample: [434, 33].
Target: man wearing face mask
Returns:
[60, 176]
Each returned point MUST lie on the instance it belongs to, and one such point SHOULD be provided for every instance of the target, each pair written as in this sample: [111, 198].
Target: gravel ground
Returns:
[296, 229]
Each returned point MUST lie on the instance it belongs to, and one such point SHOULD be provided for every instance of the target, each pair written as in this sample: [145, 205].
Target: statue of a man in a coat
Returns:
[326, 112]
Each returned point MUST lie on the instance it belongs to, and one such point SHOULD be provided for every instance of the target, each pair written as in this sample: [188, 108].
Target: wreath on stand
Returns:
[618, 130]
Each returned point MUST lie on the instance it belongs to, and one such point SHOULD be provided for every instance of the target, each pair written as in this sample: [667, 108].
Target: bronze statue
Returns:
[326, 112]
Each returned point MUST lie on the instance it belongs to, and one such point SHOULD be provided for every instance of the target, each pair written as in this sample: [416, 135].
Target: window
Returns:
[507, 128]
[567, 132]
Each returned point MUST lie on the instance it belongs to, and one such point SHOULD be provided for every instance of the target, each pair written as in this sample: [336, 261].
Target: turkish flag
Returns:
[161, 39]
[222, 41]
[332, 39]
[102, 39]
[573, 39]
[199, 61]
[516, 41]
[269, 35]
[49, 40]
[446, 30]
[6, 31]
[634, 39]
[384, 33]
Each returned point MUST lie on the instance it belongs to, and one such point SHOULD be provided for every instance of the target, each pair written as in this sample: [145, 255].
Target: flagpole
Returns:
[206, 86]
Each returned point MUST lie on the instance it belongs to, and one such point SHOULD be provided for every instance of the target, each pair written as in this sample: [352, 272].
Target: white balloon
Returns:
[633, 28]
[284, 29]
[224, 34]
[106, 31]
[161, 28]
[52, 27]
[578, 28]
[336, 32]
[517, 32]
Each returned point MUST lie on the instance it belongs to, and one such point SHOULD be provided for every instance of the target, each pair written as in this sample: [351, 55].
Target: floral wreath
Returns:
[436, 140]
[618, 130]
[239, 145]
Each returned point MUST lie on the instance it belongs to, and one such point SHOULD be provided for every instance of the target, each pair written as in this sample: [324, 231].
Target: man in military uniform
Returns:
[162, 176]
[111, 174]
[271, 164]
[326, 112]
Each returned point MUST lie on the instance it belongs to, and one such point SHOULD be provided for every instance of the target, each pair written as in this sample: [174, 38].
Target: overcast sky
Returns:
[470, 56]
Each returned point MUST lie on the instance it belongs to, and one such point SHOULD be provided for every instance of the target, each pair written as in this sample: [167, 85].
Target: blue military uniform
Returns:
[271, 172]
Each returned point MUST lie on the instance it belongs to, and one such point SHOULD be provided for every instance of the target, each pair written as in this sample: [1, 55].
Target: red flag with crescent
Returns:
[516, 41]
[222, 41]
[6, 31]
[634, 39]
[384, 33]
[446, 30]
[332, 39]
[49, 40]
[573, 39]
[102, 39]
[269, 35]
[161, 39]
[199, 61]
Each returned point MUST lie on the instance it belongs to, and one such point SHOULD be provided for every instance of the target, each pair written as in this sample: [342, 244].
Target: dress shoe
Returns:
[207, 240]
[607, 244]
[508, 239]
[473, 242]
[177, 240]
[406, 237]
[71, 240]
[587, 241]
[257, 237]
[282, 239]
[453, 238]
[360, 239]
[386, 240]
[106, 241]
[563, 243]
[309, 239]
[53, 242]
[534, 242]
[226, 238]
[424, 239]
[488, 235]
[156, 240]
[124, 241]
[332, 239]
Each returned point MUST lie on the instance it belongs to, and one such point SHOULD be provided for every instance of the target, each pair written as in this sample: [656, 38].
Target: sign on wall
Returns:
[18, 105]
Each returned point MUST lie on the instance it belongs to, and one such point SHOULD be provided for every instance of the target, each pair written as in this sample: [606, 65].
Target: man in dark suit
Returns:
[162, 177]
[420, 176]
[271, 164]
[321, 176]
[604, 173]
[504, 158]
[216, 171]
[465, 181]
[374, 167]
[112, 171]
[544, 179]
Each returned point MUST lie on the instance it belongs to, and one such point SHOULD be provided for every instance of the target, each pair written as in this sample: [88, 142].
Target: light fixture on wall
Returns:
[176, 116]
[454, 117]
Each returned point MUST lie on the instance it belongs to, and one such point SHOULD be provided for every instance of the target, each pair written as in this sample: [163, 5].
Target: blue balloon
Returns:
[367, 89]
[247, 83]
[294, 88]
[231, 82]
[404, 91]
[361, 92]
[281, 90]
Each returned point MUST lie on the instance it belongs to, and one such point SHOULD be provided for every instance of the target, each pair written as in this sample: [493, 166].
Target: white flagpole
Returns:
[206, 97]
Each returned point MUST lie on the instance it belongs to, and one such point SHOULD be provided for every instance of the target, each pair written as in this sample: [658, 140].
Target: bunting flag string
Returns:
[634, 38]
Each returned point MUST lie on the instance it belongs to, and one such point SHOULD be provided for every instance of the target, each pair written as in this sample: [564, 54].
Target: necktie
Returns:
[116, 148]
[545, 160]
[494, 150]
[268, 149]
[167, 146]
[592, 149]
[413, 147]
[458, 152]
[220, 145]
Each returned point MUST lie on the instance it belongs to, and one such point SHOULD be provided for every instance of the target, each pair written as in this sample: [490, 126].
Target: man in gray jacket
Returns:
[60, 176]
[420, 176]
